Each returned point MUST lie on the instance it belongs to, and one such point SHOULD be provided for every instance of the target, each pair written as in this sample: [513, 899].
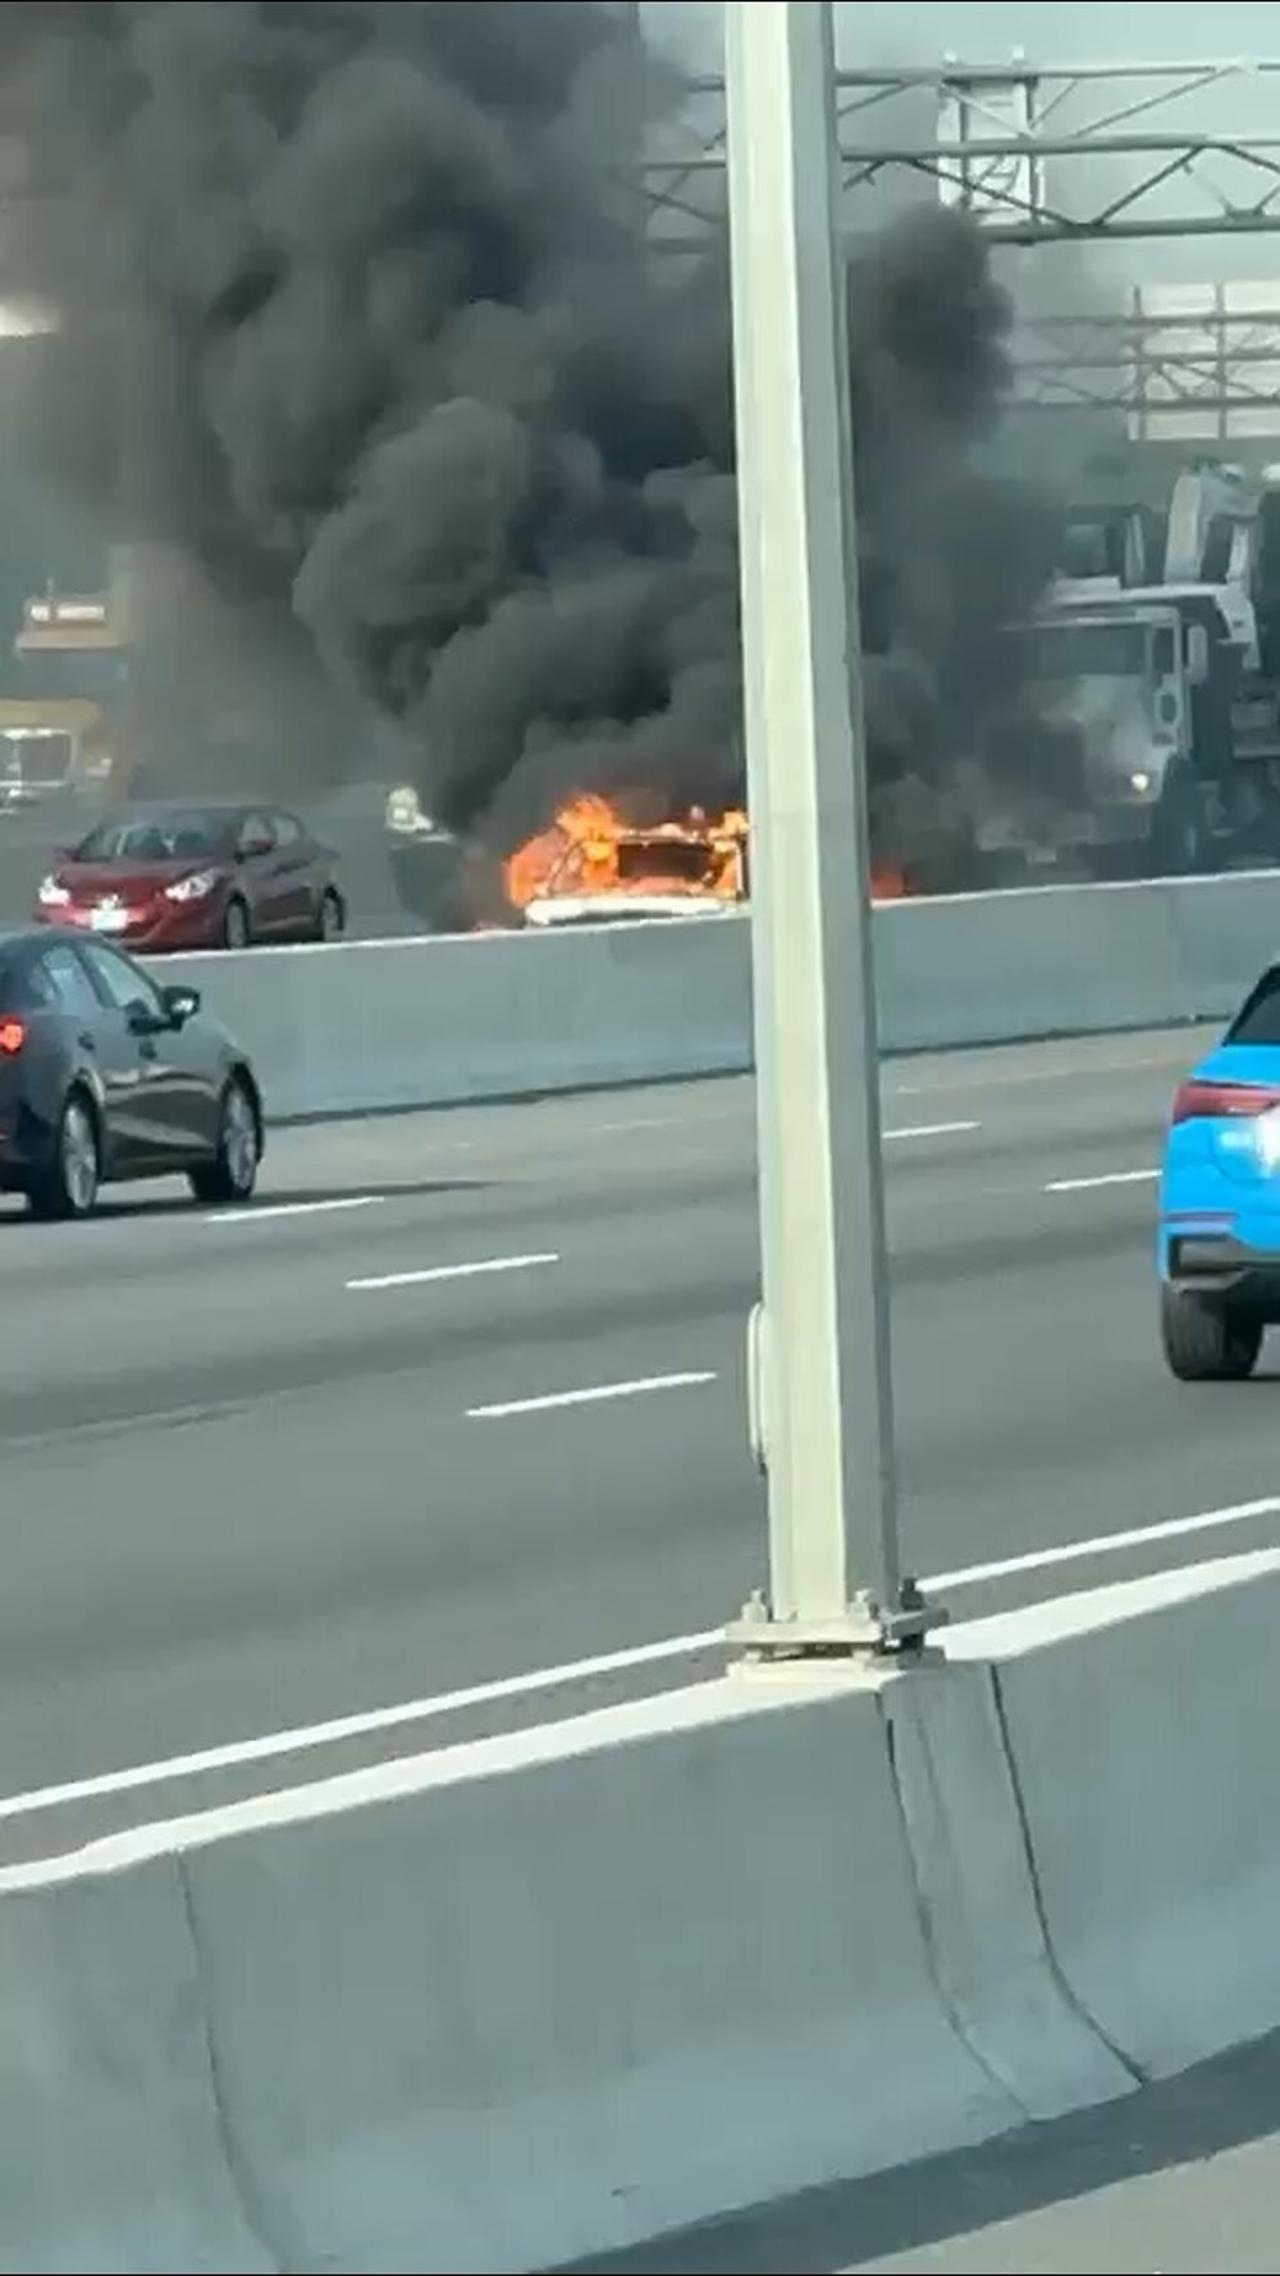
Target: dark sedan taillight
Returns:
[1197, 1100]
[13, 1034]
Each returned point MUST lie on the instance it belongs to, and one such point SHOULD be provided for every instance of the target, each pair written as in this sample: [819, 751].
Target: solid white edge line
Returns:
[1109, 1177]
[308, 1736]
[257, 1214]
[1103, 1545]
[590, 1396]
[383, 1280]
[933, 1130]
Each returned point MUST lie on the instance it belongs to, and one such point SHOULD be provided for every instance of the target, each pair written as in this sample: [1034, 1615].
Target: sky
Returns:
[1051, 33]
[1052, 280]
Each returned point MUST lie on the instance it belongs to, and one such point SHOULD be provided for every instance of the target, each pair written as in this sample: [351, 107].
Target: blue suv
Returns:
[1219, 1240]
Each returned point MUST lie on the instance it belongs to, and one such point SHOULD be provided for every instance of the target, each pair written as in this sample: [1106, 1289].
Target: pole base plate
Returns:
[863, 1631]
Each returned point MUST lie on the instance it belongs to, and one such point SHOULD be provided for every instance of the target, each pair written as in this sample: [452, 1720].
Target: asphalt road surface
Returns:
[462, 1398]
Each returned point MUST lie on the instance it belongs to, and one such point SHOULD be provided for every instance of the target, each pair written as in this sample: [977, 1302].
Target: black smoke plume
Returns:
[358, 316]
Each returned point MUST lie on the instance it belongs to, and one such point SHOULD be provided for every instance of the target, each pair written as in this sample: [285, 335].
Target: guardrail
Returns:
[373, 1025]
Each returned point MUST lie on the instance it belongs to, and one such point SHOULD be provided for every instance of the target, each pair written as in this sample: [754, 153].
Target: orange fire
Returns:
[889, 883]
[591, 848]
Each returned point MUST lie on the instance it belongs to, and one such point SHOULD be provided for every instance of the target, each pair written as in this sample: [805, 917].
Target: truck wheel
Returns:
[1206, 1340]
[331, 916]
[1178, 830]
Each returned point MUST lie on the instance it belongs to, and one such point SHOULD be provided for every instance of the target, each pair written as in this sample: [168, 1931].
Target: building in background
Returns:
[63, 726]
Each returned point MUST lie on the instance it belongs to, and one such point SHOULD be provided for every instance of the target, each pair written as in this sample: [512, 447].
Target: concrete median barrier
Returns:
[980, 1907]
[541, 1996]
[520, 2002]
[1142, 1734]
[1004, 967]
[1226, 929]
[112, 2149]
[576, 1988]
[375, 1025]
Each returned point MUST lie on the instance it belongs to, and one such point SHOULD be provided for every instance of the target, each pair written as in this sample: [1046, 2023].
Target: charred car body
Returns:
[595, 867]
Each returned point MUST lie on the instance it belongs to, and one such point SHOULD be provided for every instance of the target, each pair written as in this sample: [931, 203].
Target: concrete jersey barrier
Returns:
[557, 1999]
[1156, 1831]
[541, 1996]
[536, 1997]
[112, 2149]
[522, 2001]
[1004, 967]
[375, 1025]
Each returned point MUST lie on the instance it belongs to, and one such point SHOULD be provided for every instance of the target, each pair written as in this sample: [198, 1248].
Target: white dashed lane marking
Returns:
[592, 1395]
[1112, 1177]
[375, 1283]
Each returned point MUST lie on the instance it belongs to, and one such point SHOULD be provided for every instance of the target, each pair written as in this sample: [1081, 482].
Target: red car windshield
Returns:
[159, 837]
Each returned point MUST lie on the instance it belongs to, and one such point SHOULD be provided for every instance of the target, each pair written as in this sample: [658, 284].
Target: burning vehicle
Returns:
[426, 437]
[595, 866]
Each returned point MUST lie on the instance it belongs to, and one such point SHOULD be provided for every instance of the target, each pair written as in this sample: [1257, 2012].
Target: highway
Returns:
[461, 1397]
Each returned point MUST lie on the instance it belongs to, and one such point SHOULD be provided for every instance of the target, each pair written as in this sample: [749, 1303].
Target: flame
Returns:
[591, 848]
[889, 883]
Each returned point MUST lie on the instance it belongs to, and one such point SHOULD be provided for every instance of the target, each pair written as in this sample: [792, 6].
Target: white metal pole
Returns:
[823, 1383]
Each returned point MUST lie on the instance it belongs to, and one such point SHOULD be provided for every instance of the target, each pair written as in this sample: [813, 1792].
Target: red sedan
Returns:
[170, 877]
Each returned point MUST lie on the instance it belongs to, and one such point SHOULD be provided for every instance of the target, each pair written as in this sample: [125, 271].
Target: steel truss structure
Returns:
[1212, 370]
[1072, 154]
[1000, 129]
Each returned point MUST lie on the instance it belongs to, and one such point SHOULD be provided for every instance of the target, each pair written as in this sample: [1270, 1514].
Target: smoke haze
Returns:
[358, 317]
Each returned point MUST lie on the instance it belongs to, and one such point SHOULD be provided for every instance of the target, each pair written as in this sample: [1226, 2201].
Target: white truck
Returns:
[1141, 728]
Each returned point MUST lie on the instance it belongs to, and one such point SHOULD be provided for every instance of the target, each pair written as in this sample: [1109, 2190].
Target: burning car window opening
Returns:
[674, 858]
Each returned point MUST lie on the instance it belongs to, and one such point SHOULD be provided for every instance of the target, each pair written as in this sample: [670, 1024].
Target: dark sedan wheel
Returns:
[69, 1186]
[233, 1172]
[235, 925]
[1206, 1340]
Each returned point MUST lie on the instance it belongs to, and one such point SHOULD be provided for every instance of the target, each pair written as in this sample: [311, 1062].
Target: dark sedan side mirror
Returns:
[181, 1004]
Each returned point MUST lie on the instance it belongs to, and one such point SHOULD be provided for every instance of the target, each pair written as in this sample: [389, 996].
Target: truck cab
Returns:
[1168, 730]
[1101, 716]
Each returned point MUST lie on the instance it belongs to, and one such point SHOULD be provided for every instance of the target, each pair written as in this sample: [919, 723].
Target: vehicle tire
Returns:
[331, 916]
[237, 931]
[233, 1172]
[1178, 834]
[1205, 1340]
[69, 1186]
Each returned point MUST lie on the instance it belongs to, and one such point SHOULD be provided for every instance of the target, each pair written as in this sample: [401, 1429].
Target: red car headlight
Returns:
[197, 887]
